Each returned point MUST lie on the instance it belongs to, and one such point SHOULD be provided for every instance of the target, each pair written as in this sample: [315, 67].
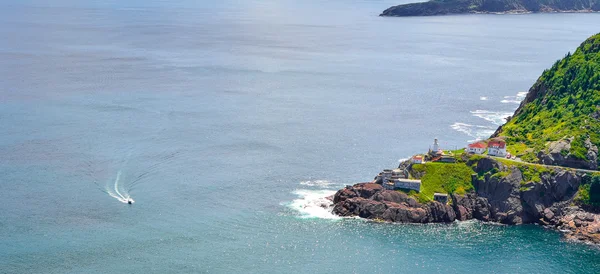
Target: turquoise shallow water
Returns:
[229, 121]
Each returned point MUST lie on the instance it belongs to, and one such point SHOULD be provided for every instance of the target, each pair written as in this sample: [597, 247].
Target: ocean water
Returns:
[228, 122]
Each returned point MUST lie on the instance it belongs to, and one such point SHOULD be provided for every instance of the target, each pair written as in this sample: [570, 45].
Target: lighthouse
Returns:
[435, 149]
[436, 146]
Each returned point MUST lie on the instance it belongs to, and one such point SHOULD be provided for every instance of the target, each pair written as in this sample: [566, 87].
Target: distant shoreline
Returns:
[496, 13]
[456, 7]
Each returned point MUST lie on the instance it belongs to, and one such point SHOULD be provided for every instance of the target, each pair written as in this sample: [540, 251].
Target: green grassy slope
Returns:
[443, 178]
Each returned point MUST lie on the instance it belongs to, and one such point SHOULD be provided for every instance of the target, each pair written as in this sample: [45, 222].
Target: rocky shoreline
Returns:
[501, 199]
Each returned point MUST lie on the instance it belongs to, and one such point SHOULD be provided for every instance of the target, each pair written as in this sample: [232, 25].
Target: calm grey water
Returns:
[229, 121]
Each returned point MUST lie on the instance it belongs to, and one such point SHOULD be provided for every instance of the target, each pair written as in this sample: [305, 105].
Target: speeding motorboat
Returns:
[130, 201]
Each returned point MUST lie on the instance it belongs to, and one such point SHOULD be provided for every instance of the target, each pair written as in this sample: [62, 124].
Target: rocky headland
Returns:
[551, 178]
[501, 195]
[444, 7]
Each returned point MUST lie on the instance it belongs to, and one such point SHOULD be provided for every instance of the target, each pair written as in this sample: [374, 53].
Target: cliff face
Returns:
[371, 201]
[558, 123]
[502, 194]
[507, 199]
[442, 7]
[511, 199]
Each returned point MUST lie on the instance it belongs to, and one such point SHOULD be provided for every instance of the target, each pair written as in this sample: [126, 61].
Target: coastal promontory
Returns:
[541, 167]
[444, 7]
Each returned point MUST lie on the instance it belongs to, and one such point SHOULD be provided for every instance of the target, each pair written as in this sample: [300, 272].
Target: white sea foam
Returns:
[514, 99]
[318, 183]
[479, 132]
[483, 98]
[475, 131]
[496, 117]
[314, 204]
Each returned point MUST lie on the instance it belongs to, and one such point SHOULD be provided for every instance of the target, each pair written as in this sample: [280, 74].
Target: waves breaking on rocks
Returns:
[317, 183]
[314, 200]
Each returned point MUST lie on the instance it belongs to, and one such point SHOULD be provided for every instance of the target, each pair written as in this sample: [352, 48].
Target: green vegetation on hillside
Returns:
[589, 191]
[530, 172]
[443, 178]
[517, 149]
[456, 177]
[567, 105]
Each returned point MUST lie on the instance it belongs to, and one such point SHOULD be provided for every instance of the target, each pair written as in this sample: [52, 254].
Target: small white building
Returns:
[440, 197]
[418, 159]
[476, 148]
[384, 176]
[408, 184]
[389, 185]
[399, 174]
[497, 148]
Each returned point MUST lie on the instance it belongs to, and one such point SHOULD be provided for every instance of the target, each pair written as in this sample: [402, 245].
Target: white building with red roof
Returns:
[497, 148]
[476, 148]
[418, 159]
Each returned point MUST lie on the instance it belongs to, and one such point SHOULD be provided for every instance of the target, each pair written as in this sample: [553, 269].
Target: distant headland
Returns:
[445, 7]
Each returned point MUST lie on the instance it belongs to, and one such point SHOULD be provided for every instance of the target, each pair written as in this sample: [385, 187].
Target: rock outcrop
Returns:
[502, 197]
[559, 153]
[371, 201]
[578, 225]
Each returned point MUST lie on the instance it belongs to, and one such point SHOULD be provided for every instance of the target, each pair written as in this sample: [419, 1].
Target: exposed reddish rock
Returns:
[371, 201]
[580, 226]
[364, 190]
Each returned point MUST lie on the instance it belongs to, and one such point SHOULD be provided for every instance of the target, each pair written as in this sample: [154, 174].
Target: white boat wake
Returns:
[121, 195]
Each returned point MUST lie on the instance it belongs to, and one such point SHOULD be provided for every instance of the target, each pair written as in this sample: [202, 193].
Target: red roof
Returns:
[418, 157]
[478, 145]
[498, 144]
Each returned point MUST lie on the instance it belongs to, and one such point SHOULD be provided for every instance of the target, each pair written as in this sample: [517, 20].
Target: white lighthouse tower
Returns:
[436, 146]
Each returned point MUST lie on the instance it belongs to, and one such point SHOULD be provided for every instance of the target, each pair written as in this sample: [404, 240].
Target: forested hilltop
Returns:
[558, 123]
[442, 7]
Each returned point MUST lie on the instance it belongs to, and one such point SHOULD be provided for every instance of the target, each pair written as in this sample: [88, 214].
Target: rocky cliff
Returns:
[371, 201]
[502, 193]
[442, 7]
